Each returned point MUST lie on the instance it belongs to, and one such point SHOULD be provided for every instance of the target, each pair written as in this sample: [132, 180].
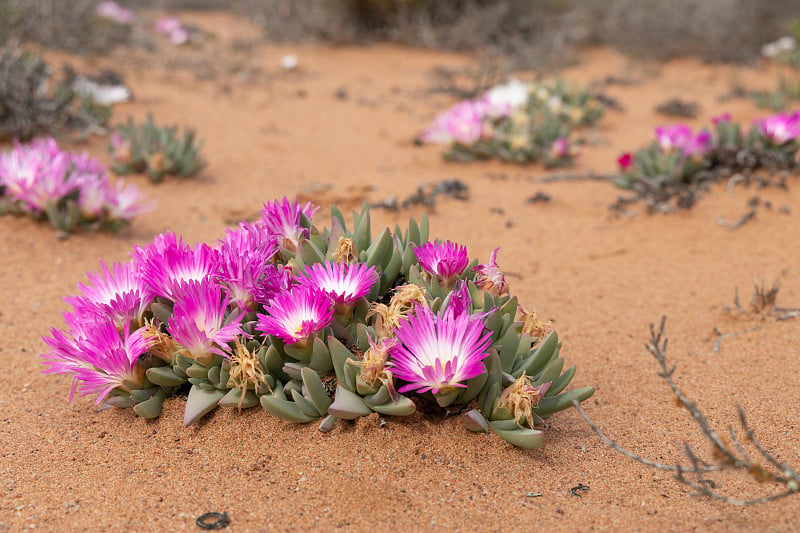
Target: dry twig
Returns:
[726, 456]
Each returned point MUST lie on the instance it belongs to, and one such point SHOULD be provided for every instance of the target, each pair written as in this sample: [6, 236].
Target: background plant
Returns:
[516, 121]
[155, 150]
[680, 162]
[69, 190]
[29, 108]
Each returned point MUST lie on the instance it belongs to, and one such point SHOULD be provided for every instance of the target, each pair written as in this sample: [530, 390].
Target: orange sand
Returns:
[269, 133]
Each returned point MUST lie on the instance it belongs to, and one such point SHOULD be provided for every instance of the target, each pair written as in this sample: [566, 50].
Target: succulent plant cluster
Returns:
[679, 155]
[314, 325]
[518, 122]
[156, 151]
[33, 103]
[69, 190]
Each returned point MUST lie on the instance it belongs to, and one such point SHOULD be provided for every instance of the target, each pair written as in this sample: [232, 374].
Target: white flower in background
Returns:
[502, 100]
[784, 44]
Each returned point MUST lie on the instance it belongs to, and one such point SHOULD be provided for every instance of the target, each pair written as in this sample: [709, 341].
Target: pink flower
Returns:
[99, 358]
[172, 28]
[167, 25]
[125, 202]
[724, 117]
[168, 263]
[781, 128]
[284, 221]
[489, 276]
[625, 161]
[114, 12]
[245, 256]
[296, 315]
[673, 137]
[117, 293]
[680, 137]
[198, 321]
[698, 144]
[560, 148]
[343, 283]
[459, 301]
[443, 261]
[437, 353]
[35, 174]
[463, 124]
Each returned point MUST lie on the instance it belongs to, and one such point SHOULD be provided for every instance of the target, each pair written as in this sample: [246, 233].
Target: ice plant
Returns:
[438, 352]
[463, 124]
[501, 100]
[199, 323]
[521, 398]
[296, 315]
[515, 121]
[244, 262]
[781, 128]
[117, 293]
[444, 261]
[100, 359]
[166, 271]
[313, 324]
[114, 12]
[342, 282]
[70, 190]
[679, 162]
[157, 151]
[284, 221]
[489, 276]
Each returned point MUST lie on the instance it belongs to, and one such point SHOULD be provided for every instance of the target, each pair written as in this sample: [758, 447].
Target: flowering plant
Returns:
[69, 190]
[516, 121]
[155, 150]
[677, 155]
[314, 324]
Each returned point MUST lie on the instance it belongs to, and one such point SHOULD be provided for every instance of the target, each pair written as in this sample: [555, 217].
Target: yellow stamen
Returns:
[246, 372]
[346, 251]
[534, 327]
[159, 344]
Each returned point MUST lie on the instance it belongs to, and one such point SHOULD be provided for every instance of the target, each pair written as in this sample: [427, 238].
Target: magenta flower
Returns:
[437, 353]
[680, 137]
[459, 301]
[245, 255]
[283, 220]
[463, 124]
[198, 321]
[118, 293]
[172, 28]
[344, 283]
[35, 174]
[125, 202]
[625, 161]
[114, 12]
[780, 128]
[699, 144]
[168, 263]
[673, 137]
[560, 149]
[99, 359]
[724, 117]
[276, 280]
[444, 261]
[489, 276]
[296, 315]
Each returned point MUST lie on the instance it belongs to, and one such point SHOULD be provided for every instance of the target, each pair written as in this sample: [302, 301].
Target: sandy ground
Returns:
[602, 280]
